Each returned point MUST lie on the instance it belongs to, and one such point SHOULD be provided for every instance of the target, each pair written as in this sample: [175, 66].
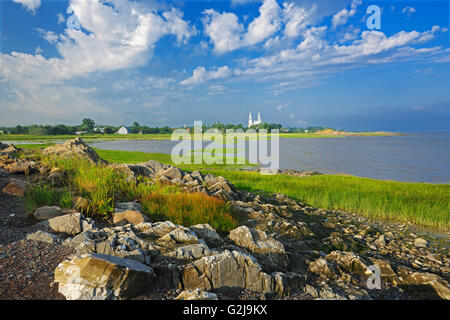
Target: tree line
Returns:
[88, 126]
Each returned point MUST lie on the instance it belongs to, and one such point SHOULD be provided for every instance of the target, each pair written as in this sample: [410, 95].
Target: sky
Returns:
[298, 62]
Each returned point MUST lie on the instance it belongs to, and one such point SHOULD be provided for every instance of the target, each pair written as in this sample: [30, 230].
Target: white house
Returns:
[251, 122]
[123, 130]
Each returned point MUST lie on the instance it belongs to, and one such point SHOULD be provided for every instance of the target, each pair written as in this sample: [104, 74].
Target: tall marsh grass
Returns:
[423, 204]
[166, 203]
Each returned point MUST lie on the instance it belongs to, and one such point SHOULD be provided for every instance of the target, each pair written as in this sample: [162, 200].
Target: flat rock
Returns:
[101, 277]
[43, 236]
[129, 216]
[16, 188]
[229, 269]
[47, 212]
[70, 223]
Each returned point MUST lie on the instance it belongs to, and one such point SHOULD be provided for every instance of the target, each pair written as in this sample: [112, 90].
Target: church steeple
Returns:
[250, 120]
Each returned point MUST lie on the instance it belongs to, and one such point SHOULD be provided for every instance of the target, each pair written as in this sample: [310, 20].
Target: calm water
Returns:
[421, 157]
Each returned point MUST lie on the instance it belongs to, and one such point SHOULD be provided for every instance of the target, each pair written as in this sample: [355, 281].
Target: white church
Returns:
[251, 122]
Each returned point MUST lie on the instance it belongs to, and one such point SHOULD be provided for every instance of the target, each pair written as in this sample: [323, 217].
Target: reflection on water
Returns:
[423, 157]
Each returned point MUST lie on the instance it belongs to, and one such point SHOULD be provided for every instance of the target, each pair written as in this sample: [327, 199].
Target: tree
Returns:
[87, 125]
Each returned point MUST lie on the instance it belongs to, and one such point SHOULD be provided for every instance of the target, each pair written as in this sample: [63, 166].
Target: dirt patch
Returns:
[27, 270]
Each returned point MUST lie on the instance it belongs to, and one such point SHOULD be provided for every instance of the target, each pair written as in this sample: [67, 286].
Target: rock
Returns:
[43, 237]
[46, 213]
[196, 295]
[190, 252]
[129, 216]
[71, 224]
[268, 251]
[229, 269]
[420, 243]
[288, 283]
[125, 206]
[208, 234]
[387, 273]
[74, 148]
[157, 229]
[56, 177]
[349, 262]
[16, 188]
[18, 166]
[3, 146]
[154, 165]
[11, 151]
[198, 176]
[426, 286]
[322, 268]
[180, 235]
[172, 173]
[101, 277]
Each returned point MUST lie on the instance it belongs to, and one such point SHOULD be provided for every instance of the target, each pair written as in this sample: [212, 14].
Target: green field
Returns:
[92, 137]
[423, 204]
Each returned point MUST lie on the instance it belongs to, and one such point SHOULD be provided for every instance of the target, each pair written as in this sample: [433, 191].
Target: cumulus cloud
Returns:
[120, 34]
[226, 33]
[200, 75]
[342, 16]
[31, 5]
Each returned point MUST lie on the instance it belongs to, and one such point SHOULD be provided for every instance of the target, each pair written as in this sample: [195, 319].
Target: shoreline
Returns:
[277, 246]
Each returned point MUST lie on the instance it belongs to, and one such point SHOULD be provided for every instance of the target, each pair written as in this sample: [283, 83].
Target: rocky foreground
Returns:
[283, 249]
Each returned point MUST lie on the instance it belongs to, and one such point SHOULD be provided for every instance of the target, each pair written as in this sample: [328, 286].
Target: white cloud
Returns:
[265, 25]
[226, 33]
[342, 16]
[408, 11]
[31, 5]
[223, 29]
[121, 35]
[200, 75]
[314, 59]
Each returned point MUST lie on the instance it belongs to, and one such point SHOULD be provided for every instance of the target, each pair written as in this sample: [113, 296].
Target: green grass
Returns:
[137, 157]
[166, 136]
[44, 195]
[419, 203]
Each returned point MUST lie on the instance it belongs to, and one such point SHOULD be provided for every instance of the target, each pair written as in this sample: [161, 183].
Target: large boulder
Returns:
[426, 286]
[16, 188]
[229, 269]
[71, 224]
[101, 277]
[74, 148]
[18, 166]
[47, 212]
[349, 262]
[268, 251]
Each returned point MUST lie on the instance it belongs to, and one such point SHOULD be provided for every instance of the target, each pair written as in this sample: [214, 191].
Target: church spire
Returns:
[250, 120]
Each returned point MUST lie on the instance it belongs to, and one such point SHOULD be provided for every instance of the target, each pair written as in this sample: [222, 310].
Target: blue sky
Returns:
[298, 62]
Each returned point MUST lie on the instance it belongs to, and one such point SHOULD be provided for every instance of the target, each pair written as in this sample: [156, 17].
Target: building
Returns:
[124, 130]
[251, 122]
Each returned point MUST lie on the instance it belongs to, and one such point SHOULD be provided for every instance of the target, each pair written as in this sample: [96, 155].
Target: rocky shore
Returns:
[283, 249]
